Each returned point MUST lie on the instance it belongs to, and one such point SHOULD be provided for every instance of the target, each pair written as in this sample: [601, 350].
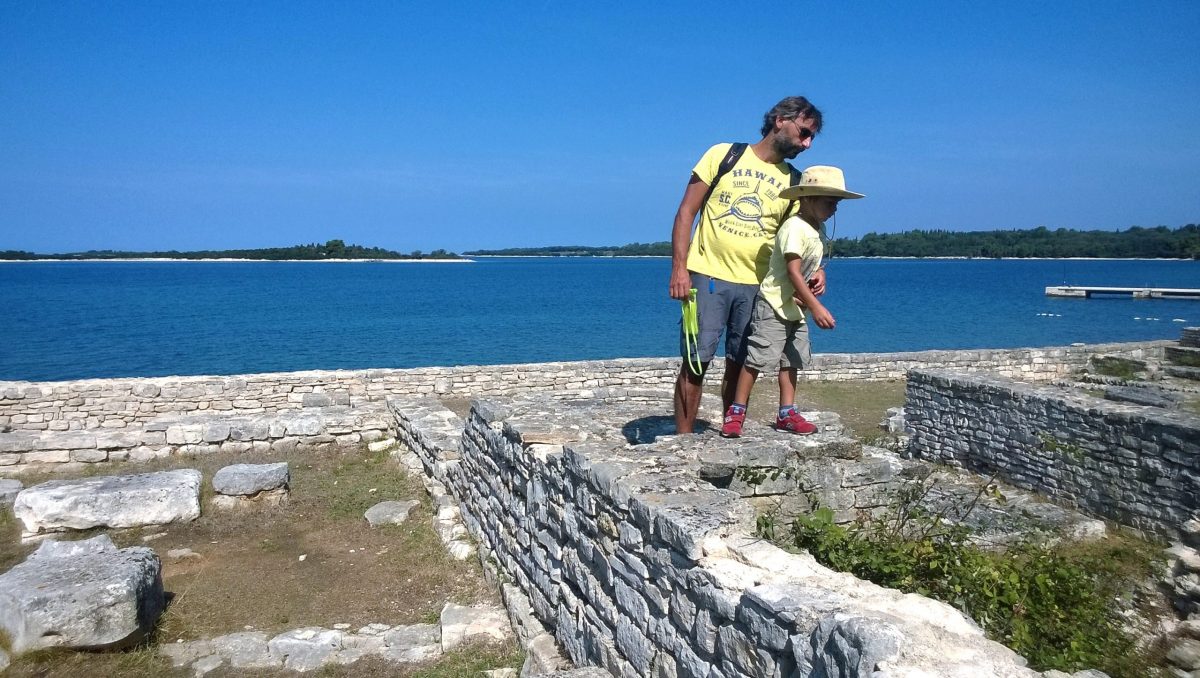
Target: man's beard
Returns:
[787, 148]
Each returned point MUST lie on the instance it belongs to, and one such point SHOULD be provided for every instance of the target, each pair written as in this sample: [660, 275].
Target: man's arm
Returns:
[681, 236]
[795, 272]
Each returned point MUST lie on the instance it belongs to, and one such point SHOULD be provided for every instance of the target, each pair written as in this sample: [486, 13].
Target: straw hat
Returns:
[820, 180]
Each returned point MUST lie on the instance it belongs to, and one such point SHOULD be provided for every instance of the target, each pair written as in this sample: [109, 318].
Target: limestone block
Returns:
[247, 650]
[185, 434]
[306, 649]
[82, 595]
[110, 501]
[111, 440]
[303, 425]
[250, 479]
[462, 625]
[238, 502]
[9, 488]
[89, 456]
[75, 440]
[19, 442]
[215, 432]
[389, 512]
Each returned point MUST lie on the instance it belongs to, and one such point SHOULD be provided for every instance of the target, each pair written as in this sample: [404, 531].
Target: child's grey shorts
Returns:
[772, 337]
[720, 306]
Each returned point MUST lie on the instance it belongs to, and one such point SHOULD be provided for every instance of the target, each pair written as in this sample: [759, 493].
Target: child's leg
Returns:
[745, 385]
[787, 387]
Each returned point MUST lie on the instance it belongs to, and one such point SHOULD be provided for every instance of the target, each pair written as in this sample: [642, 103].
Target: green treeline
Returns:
[1142, 243]
[332, 249]
[1136, 242]
[637, 249]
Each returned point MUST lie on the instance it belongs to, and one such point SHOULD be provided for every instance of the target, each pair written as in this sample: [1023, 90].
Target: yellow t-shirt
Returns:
[797, 237]
[740, 218]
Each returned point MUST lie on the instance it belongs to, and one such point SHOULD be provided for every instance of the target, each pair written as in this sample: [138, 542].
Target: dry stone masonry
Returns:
[1136, 465]
[637, 564]
[116, 404]
[74, 451]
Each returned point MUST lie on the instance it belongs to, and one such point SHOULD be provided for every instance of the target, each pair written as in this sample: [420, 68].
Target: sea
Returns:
[75, 320]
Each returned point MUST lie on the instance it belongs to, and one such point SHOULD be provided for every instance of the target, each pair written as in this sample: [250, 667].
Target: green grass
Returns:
[861, 404]
[354, 486]
[473, 661]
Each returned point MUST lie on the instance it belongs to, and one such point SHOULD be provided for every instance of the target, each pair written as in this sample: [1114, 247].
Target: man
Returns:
[740, 211]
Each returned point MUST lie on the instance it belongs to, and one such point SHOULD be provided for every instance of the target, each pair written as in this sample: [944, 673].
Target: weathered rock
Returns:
[247, 650]
[462, 625]
[176, 555]
[9, 489]
[413, 635]
[306, 649]
[85, 594]
[389, 512]
[277, 497]
[206, 665]
[250, 479]
[184, 653]
[1185, 654]
[110, 501]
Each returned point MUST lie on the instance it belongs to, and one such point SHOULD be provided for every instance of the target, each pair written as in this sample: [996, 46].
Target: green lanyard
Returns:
[691, 332]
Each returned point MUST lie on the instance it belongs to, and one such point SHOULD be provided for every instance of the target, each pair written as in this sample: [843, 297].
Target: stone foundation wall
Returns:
[312, 428]
[636, 565]
[1138, 466]
[120, 403]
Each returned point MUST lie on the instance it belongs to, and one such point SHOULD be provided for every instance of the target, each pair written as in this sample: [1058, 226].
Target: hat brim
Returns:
[793, 192]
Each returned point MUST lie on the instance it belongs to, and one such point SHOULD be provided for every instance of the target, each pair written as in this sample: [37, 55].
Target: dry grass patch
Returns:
[249, 572]
[861, 404]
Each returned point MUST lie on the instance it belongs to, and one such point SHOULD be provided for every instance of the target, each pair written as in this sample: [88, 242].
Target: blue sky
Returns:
[190, 125]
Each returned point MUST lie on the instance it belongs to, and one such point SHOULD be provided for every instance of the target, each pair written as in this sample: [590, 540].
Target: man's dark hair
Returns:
[792, 108]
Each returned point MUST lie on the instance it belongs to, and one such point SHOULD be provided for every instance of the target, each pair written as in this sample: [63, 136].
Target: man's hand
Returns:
[817, 282]
[822, 318]
[681, 283]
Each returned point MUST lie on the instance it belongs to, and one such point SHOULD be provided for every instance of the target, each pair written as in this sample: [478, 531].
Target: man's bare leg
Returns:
[688, 389]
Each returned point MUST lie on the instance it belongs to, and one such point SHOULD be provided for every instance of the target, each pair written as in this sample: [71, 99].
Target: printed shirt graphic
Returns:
[797, 237]
[739, 221]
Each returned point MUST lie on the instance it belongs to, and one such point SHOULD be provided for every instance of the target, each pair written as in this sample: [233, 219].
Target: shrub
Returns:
[1058, 605]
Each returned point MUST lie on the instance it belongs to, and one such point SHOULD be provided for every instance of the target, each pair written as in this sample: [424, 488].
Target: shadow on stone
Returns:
[645, 430]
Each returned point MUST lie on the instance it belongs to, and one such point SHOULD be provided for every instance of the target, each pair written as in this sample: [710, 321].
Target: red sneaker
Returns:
[793, 423]
[732, 428]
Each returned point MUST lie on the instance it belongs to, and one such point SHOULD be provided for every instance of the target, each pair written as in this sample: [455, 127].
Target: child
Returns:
[778, 326]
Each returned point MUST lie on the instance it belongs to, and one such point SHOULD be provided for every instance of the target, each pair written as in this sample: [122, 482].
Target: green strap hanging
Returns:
[691, 333]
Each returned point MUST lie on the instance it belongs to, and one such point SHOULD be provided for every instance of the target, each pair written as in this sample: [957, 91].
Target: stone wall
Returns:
[282, 432]
[635, 564]
[120, 403]
[1138, 466]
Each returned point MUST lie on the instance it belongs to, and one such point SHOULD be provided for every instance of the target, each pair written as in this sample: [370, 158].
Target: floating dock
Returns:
[1135, 292]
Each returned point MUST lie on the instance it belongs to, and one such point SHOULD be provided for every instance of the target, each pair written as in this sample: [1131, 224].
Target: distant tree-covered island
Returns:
[332, 249]
[1135, 242]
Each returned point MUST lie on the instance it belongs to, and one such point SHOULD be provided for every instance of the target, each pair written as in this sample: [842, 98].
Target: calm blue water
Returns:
[74, 320]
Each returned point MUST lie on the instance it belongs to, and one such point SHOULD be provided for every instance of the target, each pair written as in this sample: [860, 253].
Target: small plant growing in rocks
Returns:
[1060, 605]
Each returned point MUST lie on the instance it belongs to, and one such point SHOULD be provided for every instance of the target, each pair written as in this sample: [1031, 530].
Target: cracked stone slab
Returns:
[110, 501]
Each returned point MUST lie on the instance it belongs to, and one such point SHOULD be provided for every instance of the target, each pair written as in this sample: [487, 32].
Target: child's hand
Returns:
[822, 318]
[817, 282]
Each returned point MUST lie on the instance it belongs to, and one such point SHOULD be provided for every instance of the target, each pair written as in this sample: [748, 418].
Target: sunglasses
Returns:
[804, 132]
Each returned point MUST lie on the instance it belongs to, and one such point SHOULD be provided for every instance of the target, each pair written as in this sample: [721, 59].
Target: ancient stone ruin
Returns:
[619, 545]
